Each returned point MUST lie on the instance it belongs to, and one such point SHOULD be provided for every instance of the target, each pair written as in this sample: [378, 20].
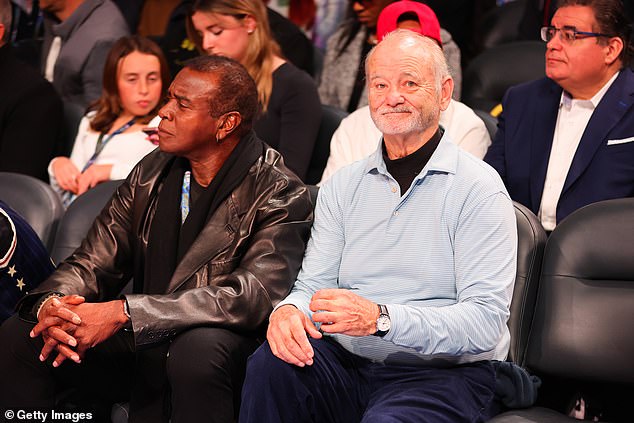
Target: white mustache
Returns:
[399, 109]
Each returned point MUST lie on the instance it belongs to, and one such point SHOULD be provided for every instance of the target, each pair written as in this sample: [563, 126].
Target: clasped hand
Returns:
[70, 178]
[70, 326]
[338, 311]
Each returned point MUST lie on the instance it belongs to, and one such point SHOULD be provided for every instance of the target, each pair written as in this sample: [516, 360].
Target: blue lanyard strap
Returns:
[185, 196]
[103, 140]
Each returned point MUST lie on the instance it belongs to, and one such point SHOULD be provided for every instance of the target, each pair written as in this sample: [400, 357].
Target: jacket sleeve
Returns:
[102, 265]
[237, 293]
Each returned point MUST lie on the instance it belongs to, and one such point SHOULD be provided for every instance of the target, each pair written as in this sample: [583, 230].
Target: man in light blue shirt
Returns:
[408, 273]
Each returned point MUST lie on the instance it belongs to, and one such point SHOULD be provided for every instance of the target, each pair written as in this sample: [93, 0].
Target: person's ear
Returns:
[613, 49]
[250, 23]
[227, 124]
[2, 31]
[446, 90]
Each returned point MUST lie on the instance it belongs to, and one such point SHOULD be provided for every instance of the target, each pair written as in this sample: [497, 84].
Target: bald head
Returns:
[407, 43]
[408, 86]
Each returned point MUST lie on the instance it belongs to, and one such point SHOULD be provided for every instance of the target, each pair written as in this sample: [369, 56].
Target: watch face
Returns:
[383, 323]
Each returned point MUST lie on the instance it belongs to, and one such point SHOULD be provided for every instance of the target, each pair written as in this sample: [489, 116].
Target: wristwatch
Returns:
[383, 323]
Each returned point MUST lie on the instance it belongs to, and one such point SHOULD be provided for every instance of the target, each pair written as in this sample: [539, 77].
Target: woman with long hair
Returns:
[110, 140]
[290, 108]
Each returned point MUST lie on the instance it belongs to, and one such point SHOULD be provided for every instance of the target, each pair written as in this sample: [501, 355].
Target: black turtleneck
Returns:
[405, 169]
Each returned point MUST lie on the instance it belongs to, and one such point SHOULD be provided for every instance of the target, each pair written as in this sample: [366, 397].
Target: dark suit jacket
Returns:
[603, 166]
[30, 118]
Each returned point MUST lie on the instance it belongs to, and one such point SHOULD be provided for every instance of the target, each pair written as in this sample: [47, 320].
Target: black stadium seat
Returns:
[490, 121]
[531, 240]
[491, 73]
[500, 25]
[79, 217]
[35, 201]
[581, 335]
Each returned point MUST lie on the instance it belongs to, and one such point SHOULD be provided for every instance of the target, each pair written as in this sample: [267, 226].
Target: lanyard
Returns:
[103, 140]
[185, 196]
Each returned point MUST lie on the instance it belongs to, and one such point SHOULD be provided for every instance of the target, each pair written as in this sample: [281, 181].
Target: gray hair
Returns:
[429, 50]
[5, 19]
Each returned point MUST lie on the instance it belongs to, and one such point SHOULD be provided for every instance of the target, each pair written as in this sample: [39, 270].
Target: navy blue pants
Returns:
[342, 387]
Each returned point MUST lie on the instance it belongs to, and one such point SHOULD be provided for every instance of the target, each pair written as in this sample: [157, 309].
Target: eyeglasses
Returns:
[568, 34]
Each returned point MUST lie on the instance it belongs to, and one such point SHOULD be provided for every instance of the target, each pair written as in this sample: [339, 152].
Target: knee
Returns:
[267, 377]
[262, 363]
[204, 354]
[190, 358]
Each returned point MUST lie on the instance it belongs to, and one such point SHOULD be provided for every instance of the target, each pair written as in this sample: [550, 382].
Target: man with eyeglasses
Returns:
[567, 140]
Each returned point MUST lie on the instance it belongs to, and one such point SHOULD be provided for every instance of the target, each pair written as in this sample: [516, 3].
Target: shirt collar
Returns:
[444, 159]
[566, 98]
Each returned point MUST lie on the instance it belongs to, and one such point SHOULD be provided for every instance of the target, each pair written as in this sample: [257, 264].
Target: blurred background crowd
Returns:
[69, 102]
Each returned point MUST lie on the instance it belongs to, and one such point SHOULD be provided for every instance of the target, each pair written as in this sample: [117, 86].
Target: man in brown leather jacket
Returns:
[212, 228]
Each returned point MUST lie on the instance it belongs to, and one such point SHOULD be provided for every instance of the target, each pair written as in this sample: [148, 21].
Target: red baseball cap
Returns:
[388, 19]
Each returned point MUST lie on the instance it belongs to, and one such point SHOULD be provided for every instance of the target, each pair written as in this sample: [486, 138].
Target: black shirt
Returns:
[195, 191]
[405, 169]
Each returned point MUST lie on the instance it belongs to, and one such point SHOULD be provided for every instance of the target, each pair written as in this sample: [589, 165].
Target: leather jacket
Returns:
[240, 266]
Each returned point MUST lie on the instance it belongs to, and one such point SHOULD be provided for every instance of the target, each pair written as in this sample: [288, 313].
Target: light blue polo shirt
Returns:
[441, 256]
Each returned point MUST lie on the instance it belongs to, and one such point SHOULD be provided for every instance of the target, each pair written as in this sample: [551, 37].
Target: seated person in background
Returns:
[342, 83]
[357, 136]
[409, 271]
[110, 141]
[296, 47]
[77, 37]
[212, 227]
[24, 261]
[567, 140]
[328, 17]
[30, 111]
[416, 15]
[291, 112]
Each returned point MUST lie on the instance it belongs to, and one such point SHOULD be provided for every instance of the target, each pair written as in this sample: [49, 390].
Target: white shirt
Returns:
[572, 120]
[122, 151]
[357, 137]
[51, 58]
